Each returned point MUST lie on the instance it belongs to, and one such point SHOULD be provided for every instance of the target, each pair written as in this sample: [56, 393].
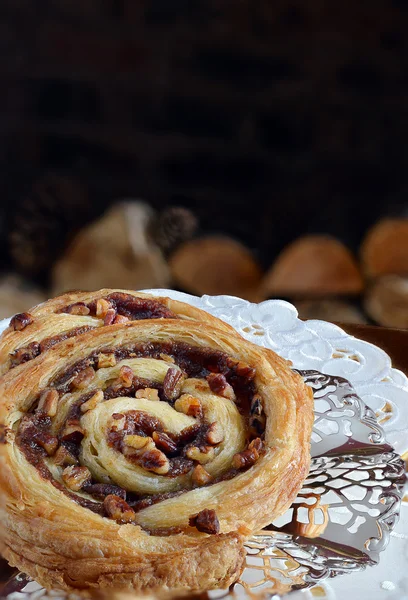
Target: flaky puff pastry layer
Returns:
[49, 321]
[61, 544]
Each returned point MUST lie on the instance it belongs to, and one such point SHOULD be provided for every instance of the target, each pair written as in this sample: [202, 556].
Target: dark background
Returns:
[268, 119]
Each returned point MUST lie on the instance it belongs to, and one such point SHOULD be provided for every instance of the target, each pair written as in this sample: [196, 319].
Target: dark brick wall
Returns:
[268, 118]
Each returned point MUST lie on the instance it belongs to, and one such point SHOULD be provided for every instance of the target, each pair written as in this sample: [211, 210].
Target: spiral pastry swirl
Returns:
[141, 453]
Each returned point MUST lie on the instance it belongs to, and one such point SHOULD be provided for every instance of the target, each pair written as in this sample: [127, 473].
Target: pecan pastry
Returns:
[142, 453]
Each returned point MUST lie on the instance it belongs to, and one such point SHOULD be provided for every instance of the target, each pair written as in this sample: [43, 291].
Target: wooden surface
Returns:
[393, 341]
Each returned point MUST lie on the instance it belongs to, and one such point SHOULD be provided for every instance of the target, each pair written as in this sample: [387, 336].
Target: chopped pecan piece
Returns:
[92, 402]
[83, 378]
[126, 376]
[114, 388]
[110, 316]
[202, 454]
[79, 308]
[134, 454]
[248, 457]
[148, 394]
[188, 433]
[25, 354]
[47, 441]
[21, 320]
[205, 521]
[48, 403]
[106, 360]
[139, 308]
[72, 431]
[118, 509]
[64, 457]
[242, 369]
[164, 443]
[200, 475]
[100, 490]
[76, 477]
[155, 461]
[215, 434]
[102, 307]
[245, 459]
[137, 441]
[32, 431]
[172, 383]
[220, 386]
[120, 319]
[189, 405]
[258, 445]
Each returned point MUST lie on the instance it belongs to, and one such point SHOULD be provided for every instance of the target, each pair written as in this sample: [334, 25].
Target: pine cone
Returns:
[44, 221]
[172, 227]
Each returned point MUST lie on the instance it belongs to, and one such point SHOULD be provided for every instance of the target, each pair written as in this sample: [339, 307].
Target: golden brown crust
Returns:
[61, 544]
[209, 564]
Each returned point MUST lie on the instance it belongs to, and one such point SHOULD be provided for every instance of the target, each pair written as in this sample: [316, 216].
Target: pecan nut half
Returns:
[205, 521]
[21, 321]
[118, 509]
[172, 383]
